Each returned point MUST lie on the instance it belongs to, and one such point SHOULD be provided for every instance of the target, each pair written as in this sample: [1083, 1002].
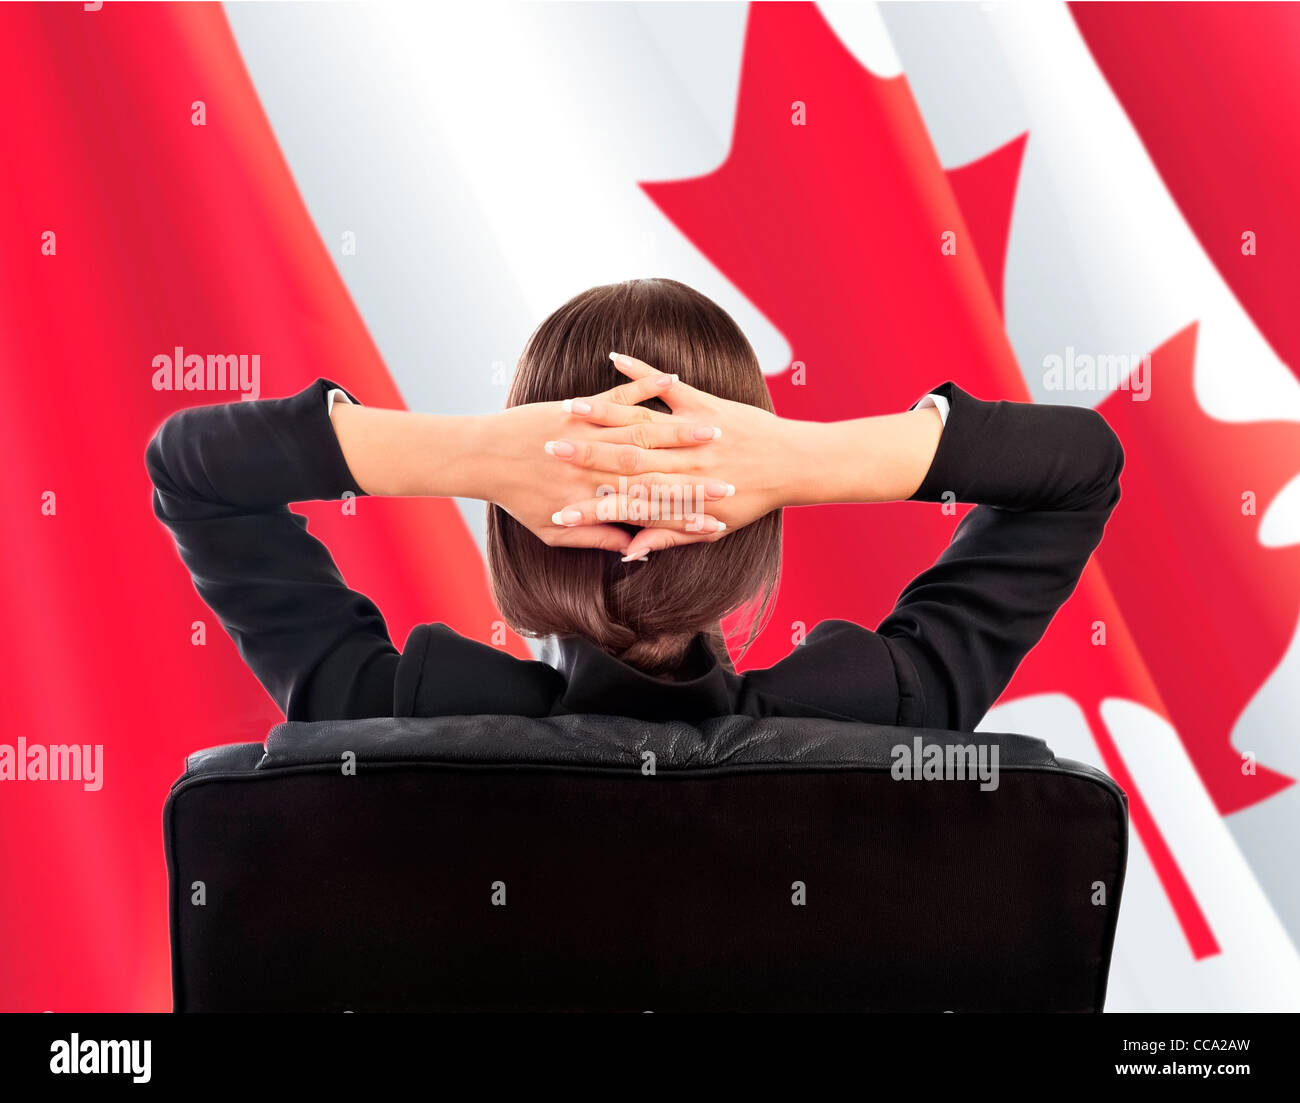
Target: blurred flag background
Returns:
[887, 195]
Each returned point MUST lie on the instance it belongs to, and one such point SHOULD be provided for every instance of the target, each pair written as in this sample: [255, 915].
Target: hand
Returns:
[534, 460]
[765, 457]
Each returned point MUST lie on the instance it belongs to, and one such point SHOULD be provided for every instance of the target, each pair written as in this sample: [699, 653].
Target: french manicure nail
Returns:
[636, 558]
[719, 490]
[575, 406]
[705, 432]
[559, 448]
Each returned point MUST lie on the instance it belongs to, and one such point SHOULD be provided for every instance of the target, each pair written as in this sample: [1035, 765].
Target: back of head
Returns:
[644, 613]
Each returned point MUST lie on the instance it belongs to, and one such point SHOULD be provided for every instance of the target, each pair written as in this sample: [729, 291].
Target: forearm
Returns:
[1014, 455]
[870, 459]
[404, 454]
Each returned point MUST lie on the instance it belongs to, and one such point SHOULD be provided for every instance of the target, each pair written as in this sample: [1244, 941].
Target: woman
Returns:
[633, 600]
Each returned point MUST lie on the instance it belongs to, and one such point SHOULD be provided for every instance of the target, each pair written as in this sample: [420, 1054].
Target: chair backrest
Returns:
[605, 863]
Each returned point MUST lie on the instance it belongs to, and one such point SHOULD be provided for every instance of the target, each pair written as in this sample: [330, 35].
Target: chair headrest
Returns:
[614, 741]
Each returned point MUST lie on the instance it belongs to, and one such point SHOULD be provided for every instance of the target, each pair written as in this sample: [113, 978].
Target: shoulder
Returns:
[844, 669]
[442, 673]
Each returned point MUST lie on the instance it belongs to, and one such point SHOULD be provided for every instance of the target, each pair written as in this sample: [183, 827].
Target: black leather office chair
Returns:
[604, 863]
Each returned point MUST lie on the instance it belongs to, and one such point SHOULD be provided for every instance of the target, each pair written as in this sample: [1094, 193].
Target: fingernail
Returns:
[706, 432]
[719, 490]
[566, 517]
[576, 406]
[636, 558]
[722, 527]
[665, 380]
[613, 356]
[559, 448]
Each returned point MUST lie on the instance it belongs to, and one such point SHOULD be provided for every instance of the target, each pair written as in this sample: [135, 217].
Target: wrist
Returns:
[807, 478]
[874, 459]
[465, 447]
[451, 457]
[397, 453]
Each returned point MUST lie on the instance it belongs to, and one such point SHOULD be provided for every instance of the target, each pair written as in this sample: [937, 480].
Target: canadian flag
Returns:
[394, 196]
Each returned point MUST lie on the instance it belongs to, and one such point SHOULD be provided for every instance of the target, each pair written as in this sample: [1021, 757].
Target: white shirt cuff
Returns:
[331, 395]
[938, 402]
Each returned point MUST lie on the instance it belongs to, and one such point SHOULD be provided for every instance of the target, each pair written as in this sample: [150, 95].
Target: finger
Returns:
[659, 539]
[675, 394]
[604, 537]
[618, 459]
[627, 395]
[602, 410]
[631, 366]
[677, 488]
[639, 390]
[663, 434]
[635, 510]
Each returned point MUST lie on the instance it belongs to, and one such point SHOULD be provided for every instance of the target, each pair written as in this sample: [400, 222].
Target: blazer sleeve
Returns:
[223, 477]
[1045, 479]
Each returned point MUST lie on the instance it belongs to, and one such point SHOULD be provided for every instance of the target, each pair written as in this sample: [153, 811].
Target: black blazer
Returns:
[1045, 479]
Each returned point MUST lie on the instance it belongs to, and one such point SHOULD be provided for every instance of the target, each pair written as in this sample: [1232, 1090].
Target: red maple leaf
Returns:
[833, 229]
[1211, 608]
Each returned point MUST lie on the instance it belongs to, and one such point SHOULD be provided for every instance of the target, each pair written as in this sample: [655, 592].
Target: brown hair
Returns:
[643, 613]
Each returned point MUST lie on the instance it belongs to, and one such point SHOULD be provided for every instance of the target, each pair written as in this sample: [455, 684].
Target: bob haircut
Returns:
[644, 613]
